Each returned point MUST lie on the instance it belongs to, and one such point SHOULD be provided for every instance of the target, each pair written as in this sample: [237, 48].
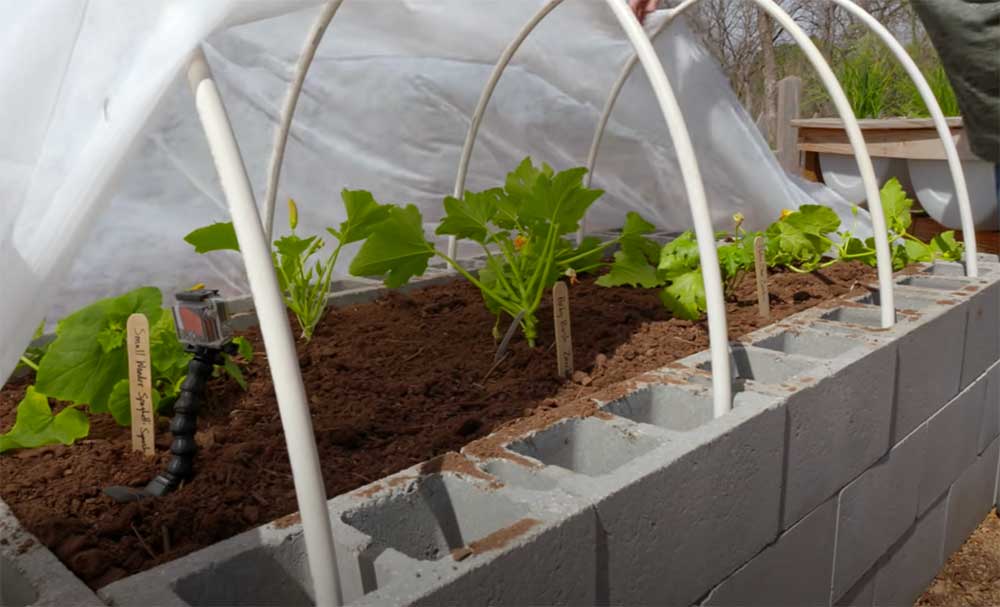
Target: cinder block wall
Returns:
[854, 462]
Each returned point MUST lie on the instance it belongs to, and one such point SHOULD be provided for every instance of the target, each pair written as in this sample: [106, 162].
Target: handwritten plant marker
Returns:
[760, 268]
[140, 384]
[564, 336]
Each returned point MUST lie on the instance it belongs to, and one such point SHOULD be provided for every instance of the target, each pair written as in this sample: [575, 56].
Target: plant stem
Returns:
[500, 277]
[584, 255]
[506, 305]
[29, 363]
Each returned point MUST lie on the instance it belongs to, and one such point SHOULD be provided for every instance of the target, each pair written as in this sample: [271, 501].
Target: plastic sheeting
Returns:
[104, 168]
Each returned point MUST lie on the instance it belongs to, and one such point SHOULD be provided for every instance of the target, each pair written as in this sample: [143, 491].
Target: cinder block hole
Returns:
[437, 515]
[586, 446]
[816, 345]
[15, 591]
[763, 366]
[510, 473]
[933, 282]
[900, 300]
[254, 577]
[868, 316]
[951, 268]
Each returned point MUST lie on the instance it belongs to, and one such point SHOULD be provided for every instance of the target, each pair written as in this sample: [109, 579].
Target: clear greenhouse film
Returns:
[105, 167]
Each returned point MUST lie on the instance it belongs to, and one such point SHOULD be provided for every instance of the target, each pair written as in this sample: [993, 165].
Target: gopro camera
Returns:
[200, 319]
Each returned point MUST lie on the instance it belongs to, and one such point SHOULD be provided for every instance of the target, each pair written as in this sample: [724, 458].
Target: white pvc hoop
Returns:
[293, 408]
[854, 135]
[715, 302]
[941, 124]
[288, 110]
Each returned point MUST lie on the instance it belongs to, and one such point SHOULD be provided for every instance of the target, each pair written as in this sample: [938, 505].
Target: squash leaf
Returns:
[77, 366]
[396, 248]
[36, 426]
[216, 237]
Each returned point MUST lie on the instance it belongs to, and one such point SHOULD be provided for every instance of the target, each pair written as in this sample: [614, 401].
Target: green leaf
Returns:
[363, 214]
[896, 207]
[634, 241]
[120, 403]
[561, 200]
[900, 256]
[471, 216]
[167, 354]
[293, 247]
[521, 181]
[233, 370]
[735, 258]
[680, 255]
[77, 368]
[244, 348]
[685, 297]
[788, 244]
[859, 251]
[111, 337]
[396, 248]
[629, 269]
[216, 237]
[813, 219]
[35, 425]
[918, 251]
[946, 247]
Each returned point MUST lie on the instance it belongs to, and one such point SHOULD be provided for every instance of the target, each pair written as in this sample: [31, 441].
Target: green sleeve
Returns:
[966, 34]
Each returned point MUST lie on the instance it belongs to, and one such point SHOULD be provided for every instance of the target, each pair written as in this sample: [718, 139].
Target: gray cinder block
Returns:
[913, 561]
[990, 428]
[981, 305]
[31, 575]
[674, 520]
[954, 436]
[793, 571]
[876, 509]
[929, 357]
[862, 594]
[837, 426]
[970, 498]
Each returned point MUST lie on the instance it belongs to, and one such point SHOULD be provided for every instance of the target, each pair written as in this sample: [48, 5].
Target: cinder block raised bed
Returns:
[854, 461]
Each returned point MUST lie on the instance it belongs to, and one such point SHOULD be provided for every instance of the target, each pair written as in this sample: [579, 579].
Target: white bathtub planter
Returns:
[886, 438]
[910, 150]
[934, 188]
[841, 174]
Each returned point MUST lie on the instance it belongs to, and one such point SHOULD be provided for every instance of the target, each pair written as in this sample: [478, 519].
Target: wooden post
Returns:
[760, 270]
[564, 339]
[789, 93]
[140, 383]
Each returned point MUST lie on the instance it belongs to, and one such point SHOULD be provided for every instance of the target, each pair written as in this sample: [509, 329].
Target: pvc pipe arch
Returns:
[940, 123]
[691, 174]
[937, 115]
[288, 109]
[293, 408]
[882, 254]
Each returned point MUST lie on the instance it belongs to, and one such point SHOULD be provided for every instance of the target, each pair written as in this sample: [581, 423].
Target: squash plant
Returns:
[677, 268]
[522, 229]
[801, 241]
[304, 283]
[87, 365]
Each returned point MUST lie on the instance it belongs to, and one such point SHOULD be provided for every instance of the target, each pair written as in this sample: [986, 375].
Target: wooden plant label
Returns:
[760, 269]
[140, 384]
[564, 336]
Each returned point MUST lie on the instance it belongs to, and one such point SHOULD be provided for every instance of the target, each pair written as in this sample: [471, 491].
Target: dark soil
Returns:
[391, 383]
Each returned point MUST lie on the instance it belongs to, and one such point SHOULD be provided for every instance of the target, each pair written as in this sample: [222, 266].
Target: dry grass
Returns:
[971, 577]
